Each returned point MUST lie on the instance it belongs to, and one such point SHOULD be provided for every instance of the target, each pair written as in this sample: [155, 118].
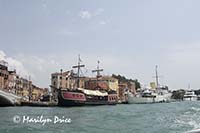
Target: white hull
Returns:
[138, 99]
[190, 99]
[163, 98]
[190, 96]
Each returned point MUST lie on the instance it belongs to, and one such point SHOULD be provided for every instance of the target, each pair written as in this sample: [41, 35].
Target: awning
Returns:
[93, 92]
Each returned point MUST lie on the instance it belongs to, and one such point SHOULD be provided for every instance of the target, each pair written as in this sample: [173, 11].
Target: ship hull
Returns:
[70, 99]
[163, 98]
[140, 100]
[190, 99]
[70, 103]
[190, 96]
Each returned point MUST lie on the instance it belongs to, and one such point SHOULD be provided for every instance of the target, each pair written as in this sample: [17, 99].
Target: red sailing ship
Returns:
[81, 97]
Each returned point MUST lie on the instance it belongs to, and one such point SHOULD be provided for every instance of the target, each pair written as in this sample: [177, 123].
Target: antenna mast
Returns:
[157, 83]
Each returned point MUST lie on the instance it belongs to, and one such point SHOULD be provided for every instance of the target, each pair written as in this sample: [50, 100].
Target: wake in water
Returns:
[190, 119]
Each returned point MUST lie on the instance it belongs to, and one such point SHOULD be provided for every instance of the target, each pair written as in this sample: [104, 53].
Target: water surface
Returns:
[173, 117]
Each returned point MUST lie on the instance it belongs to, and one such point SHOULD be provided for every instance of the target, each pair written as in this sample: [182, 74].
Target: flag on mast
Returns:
[79, 58]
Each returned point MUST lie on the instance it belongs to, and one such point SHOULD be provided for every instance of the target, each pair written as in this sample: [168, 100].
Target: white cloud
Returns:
[42, 67]
[14, 64]
[85, 14]
[2, 55]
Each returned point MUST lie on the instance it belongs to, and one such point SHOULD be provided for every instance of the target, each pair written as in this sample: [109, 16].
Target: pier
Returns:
[38, 104]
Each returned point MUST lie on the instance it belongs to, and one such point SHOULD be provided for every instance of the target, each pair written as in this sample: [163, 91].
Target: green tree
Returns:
[123, 79]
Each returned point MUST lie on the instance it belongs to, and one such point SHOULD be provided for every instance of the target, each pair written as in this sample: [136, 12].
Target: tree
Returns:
[178, 94]
[123, 79]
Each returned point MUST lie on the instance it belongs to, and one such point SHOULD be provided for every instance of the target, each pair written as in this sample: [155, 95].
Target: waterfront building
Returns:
[13, 83]
[132, 87]
[65, 79]
[112, 82]
[12, 79]
[123, 87]
[22, 86]
[58, 80]
[3, 75]
[37, 92]
[92, 84]
[104, 82]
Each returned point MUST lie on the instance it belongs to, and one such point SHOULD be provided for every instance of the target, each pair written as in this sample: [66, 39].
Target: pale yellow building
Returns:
[111, 82]
[25, 92]
[36, 93]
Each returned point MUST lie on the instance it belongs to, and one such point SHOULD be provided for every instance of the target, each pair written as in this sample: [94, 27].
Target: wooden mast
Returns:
[78, 72]
[98, 70]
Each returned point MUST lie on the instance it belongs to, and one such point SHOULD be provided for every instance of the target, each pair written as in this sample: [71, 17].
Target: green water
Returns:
[136, 118]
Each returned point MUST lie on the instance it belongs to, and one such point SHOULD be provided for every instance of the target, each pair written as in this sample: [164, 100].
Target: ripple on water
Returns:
[151, 118]
[189, 119]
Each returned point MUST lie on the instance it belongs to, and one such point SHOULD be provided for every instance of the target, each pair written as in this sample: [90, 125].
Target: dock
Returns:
[38, 104]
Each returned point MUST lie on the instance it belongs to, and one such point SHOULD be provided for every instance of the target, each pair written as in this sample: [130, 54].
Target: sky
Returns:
[128, 37]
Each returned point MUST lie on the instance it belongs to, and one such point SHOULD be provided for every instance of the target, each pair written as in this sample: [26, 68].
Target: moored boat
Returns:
[80, 96]
[144, 96]
[149, 96]
[163, 94]
[155, 94]
[190, 96]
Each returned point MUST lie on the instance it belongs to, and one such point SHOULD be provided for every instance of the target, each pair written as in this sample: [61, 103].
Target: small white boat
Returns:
[190, 96]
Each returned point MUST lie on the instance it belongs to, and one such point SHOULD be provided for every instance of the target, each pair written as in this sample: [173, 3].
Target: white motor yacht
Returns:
[190, 96]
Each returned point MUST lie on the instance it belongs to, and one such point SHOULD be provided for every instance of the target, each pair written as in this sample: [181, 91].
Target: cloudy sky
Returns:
[129, 37]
